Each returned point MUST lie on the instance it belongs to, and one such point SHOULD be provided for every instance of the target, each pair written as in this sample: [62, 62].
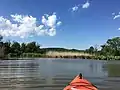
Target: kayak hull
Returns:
[80, 84]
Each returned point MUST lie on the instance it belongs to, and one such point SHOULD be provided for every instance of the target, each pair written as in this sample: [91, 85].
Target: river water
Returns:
[55, 74]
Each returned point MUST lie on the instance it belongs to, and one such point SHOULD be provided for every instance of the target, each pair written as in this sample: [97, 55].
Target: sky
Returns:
[60, 23]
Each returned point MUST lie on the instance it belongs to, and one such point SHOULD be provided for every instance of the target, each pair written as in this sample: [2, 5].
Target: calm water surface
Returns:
[55, 74]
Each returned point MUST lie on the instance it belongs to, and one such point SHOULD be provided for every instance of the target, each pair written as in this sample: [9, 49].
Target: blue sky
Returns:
[70, 28]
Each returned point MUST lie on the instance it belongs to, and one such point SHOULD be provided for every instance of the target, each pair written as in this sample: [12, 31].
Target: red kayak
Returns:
[79, 83]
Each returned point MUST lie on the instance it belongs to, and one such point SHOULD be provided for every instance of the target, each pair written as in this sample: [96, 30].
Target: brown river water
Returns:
[55, 74]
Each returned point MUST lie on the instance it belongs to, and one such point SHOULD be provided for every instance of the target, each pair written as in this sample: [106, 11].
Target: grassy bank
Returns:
[68, 55]
[109, 51]
[54, 54]
[80, 55]
[51, 54]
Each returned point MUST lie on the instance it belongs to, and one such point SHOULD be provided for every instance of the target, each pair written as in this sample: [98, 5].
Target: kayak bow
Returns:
[79, 83]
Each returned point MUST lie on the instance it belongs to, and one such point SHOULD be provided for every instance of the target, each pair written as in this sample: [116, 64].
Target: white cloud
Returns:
[26, 26]
[52, 32]
[116, 16]
[113, 13]
[44, 20]
[51, 20]
[75, 8]
[86, 5]
[59, 23]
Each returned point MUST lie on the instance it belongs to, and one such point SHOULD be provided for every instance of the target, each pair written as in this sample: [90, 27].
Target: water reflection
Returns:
[52, 74]
[113, 70]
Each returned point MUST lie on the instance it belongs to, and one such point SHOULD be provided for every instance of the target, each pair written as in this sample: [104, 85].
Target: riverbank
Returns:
[51, 54]
[80, 55]
[68, 55]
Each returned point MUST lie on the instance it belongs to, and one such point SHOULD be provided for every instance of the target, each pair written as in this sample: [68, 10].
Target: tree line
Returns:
[15, 49]
[110, 48]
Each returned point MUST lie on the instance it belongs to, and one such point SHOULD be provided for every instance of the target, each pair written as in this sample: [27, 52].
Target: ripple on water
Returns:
[53, 74]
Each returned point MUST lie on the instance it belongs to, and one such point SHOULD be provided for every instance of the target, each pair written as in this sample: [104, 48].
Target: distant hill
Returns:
[62, 50]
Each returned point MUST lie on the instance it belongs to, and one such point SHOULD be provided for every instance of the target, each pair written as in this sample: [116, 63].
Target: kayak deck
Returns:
[79, 83]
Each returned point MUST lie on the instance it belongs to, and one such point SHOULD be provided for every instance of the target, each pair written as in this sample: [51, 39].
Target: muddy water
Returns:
[55, 74]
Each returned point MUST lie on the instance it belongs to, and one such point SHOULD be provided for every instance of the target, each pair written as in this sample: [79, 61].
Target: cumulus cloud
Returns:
[116, 16]
[59, 23]
[113, 13]
[77, 7]
[26, 26]
[86, 5]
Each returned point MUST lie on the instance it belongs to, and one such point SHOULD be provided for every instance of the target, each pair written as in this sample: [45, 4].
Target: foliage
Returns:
[23, 47]
[91, 50]
[7, 47]
[112, 47]
[15, 48]
[32, 47]
[1, 47]
[109, 51]
[1, 37]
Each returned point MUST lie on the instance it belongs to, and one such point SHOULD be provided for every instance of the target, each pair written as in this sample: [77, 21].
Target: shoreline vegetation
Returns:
[81, 56]
[14, 50]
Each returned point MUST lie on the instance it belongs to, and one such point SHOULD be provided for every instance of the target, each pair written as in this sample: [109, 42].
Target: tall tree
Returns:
[112, 47]
[15, 48]
[32, 47]
[1, 43]
[7, 47]
[1, 47]
[23, 47]
[91, 50]
[1, 37]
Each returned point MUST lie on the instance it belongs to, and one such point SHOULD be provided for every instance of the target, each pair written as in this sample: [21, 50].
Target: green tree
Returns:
[1, 43]
[15, 48]
[38, 50]
[1, 47]
[7, 47]
[91, 50]
[32, 47]
[1, 37]
[112, 47]
[23, 47]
